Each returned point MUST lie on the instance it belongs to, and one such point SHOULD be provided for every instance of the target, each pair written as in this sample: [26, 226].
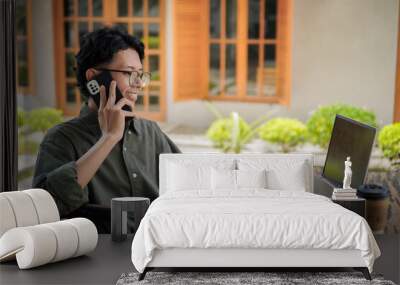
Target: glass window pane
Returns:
[22, 50]
[139, 104]
[269, 56]
[97, 8]
[97, 25]
[138, 31]
[252, 69]
[68, 8]
[83, 8]
[71, 98]
[20, 13]
[154, 65]
[22, 53]
[122, 26]
[231, 18]
[215, 14]
[83, 28]
[154, 98]
[230, 66]
[69, 34]
[137, 6]
[270, 19]
[269, 71]
[154, 36]
[154, 8]
[122, 8]
[69, 64]
[254, 19]
[154, 103]
[214, 80]
[154, 89]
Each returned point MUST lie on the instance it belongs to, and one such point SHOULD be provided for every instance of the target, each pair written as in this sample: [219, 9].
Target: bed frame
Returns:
[242, 259]
[246, 258]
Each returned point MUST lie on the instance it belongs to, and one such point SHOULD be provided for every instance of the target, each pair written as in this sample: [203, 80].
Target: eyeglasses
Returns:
[135, 77]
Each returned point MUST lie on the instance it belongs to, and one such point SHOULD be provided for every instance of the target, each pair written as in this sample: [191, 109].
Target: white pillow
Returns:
[182, 177]
[294, 180]
[251, 178]
[223, 179]
[282, 174]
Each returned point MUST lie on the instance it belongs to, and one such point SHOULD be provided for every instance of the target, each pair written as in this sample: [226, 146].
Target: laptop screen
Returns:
[349, 138]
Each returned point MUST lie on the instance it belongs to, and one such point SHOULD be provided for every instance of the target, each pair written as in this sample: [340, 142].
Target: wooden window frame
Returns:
[26, 90]
[160, 20]
[283, 54]
[108, 18]
[396, 107]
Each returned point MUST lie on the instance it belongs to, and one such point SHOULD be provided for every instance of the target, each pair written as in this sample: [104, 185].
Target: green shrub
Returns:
[27, 146]
[154, 42]
[320, 123]
[286, 132]
[155, 76]
[220, 133]
[43, 119]
[228, 137]
[389, 142]
[21, 114]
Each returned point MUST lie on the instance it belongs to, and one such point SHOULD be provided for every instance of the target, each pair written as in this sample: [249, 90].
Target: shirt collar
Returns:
[133, 124]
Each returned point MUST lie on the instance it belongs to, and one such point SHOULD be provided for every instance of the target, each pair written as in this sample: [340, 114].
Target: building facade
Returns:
[248, 56]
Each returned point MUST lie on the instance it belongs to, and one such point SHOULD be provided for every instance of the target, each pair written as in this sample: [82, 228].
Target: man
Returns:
[107, 151]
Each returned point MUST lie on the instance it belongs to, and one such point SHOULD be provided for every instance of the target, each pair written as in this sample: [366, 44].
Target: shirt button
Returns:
[134, 175]
[129, 132]
[124, 148]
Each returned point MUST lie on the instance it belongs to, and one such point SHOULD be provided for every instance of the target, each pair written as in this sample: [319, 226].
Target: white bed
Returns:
[219, 210]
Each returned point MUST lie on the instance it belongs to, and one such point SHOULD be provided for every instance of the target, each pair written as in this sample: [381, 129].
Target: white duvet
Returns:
[250, 219]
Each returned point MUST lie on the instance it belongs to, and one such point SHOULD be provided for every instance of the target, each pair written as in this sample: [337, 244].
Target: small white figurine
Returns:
[347, 174]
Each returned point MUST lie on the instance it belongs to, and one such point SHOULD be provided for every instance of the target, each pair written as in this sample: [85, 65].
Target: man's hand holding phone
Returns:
[111, 115]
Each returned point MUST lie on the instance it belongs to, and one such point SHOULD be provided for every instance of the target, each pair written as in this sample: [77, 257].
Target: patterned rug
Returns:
[242, 278]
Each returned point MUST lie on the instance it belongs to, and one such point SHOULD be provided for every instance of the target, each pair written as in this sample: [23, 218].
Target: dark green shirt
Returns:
[131, 168]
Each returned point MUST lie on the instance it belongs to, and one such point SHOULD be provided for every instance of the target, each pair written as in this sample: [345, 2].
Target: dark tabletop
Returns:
[110, 259]
[104, 265]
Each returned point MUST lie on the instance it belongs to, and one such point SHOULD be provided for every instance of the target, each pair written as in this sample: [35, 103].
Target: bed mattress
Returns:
[251, 219]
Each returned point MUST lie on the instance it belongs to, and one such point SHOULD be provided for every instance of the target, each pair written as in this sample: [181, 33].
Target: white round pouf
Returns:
[67, 239]
[45, 205]
[33, 246]
[31, 230]
[7, 218]
[23, 208]
[87, 234]
[40, 244]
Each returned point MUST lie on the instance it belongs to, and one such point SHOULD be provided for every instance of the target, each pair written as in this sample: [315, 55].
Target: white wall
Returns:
[342, 51]
[345, 51]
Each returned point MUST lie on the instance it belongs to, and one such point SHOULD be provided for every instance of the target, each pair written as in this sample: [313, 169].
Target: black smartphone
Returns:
[103, 78]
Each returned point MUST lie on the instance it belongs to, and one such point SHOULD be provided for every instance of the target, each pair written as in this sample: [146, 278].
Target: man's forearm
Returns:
[89, 163]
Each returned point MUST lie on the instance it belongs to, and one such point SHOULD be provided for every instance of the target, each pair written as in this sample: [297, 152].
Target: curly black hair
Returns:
[99, 47]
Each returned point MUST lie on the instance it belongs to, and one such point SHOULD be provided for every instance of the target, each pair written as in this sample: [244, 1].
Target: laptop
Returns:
[349, 138]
